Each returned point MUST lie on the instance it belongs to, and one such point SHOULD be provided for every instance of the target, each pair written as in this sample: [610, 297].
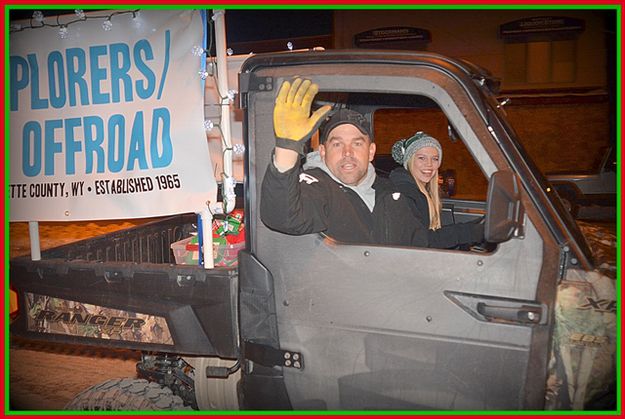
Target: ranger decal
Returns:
[59, 316]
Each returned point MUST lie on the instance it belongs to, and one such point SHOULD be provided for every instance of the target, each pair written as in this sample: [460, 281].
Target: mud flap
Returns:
[262, 386]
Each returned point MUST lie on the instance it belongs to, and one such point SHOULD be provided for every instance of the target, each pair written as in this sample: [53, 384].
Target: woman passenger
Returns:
[421, 156]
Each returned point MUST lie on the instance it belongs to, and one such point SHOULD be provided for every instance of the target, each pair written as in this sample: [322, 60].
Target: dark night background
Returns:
[243, 25]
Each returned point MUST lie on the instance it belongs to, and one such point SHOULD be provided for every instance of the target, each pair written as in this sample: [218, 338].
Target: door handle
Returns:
[488, 308]
[518, 314]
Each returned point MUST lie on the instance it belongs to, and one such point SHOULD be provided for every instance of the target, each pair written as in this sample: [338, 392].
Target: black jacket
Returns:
[448, 236]
[297, 202]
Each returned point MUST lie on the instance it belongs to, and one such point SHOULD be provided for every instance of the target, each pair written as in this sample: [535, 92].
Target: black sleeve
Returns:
[450, 236]
[420, 235]
[290, 206]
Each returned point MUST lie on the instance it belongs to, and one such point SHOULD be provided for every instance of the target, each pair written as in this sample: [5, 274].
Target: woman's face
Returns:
[425, 163]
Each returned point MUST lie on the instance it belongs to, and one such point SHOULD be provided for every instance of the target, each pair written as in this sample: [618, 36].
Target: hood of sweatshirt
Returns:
[364, 189]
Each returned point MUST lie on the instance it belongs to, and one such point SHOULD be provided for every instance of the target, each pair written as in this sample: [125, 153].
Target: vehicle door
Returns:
[383, 327]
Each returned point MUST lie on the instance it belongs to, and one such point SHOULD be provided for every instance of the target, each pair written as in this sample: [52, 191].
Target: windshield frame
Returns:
[559, 220]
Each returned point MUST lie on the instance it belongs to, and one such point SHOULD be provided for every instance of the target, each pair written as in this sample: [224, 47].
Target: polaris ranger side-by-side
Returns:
[308, 323]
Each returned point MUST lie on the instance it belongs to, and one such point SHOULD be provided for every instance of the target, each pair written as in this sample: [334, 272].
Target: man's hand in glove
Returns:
[292, 122]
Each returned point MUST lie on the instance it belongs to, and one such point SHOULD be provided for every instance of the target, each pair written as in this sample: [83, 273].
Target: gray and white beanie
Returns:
[403, 150]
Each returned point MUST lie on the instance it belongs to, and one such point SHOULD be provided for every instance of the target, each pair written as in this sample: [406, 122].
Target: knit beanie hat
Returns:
[403, 150]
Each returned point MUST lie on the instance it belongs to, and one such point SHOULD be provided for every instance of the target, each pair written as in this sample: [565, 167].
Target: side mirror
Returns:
[504, 211]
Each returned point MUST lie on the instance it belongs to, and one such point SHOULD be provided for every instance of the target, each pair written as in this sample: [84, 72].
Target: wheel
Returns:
[126, 394]
[214, 393]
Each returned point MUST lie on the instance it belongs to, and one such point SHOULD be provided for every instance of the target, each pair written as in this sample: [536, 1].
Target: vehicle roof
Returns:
[461, 69]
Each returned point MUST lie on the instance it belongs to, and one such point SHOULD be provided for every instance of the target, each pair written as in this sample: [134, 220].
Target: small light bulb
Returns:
[80, 13]
[289, 45]
[238, 149]
[197, 51]
[136, 21]
[208, 125]
[38, 16]
[107, 25]
[229, 51]
[63, 32]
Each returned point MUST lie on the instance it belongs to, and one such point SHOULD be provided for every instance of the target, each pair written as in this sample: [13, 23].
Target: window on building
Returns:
[541, 49]
[541, 61]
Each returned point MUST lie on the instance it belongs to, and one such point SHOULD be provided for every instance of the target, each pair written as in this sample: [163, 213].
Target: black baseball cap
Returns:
[345, 116]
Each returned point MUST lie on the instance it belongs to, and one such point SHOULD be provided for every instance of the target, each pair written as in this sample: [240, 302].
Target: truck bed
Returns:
[123, 289]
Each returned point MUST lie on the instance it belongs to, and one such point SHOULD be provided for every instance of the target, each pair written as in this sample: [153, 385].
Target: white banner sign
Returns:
[107, 118]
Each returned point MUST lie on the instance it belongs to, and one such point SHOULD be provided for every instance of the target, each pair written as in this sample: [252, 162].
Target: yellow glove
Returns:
[292, 122]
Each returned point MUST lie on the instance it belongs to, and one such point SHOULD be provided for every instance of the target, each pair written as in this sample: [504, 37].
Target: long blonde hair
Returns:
[431, 192]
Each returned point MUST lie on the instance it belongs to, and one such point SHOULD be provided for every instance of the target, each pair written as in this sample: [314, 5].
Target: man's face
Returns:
[347, 153]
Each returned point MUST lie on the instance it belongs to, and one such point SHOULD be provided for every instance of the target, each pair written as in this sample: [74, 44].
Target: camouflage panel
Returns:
[56, 315]
[583, 357]
[602, 241]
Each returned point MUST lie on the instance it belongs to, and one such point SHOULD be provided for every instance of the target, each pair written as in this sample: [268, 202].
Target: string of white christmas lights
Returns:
[37, 21]
[211, 71]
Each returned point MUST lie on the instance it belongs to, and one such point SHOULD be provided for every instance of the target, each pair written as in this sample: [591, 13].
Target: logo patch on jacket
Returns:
[305, 177]
[396, 195]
